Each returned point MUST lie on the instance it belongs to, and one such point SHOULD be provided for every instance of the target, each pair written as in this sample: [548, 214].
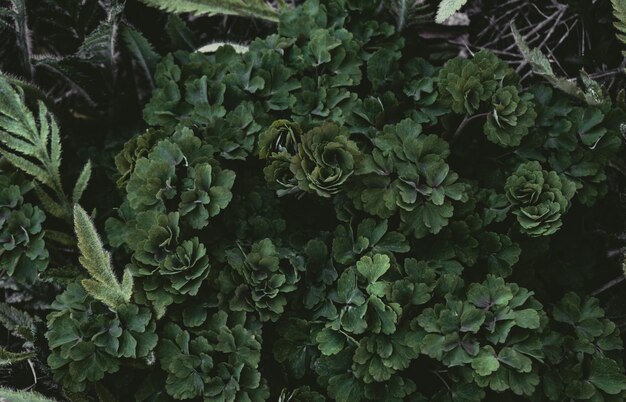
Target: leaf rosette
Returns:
[511, 117]
[325, 160]
[539, 198]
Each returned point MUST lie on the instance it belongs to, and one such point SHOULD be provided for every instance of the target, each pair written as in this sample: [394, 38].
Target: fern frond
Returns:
[33, 145]
[17, 322]
[541, 66]
[100, 45]
[60, 237]
[97, 261]
[25, 144]
[82, 182]
[7, 394]
[68, 70]
[22, 33]
[30, 89]
[180, 35]
[141, 50]
[619, 12]
[243, 8]
[447, 8]
[407, 12]
[7, 358]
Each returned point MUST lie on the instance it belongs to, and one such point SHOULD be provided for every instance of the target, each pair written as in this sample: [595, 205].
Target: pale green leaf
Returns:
[447, 8]
[82, 182]
[244, 8]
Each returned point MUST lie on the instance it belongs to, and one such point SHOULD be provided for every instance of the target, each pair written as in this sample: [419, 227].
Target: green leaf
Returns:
[97, 261]
[619, 12]
[100, 44]
[7, 358]
[141, 50]
[82, 182]
[31, 145]
[10, 395]
[541, 66]
[245, 8]
[180, 35]
[447, 8]
[19, 14]
[330, 342]
[607, 375]
[373, 268]
[486, 362]
[18, 322]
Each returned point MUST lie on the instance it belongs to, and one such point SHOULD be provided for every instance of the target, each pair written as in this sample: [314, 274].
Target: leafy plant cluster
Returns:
[325, 215]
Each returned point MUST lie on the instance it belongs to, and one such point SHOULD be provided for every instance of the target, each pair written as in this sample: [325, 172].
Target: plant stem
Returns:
[609, 285]
[465, 122]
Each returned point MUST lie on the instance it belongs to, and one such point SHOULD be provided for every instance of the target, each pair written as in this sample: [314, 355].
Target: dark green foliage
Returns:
[87, 340]
[328, 215]
[23, 252]
[465, 84]
[511, 117]
[538, 198]
[208, 360]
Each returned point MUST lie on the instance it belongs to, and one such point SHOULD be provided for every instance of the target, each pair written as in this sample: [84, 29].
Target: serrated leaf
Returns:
[245, 8]
[619, 12]
[82, 182]
[541, 66]
[10, 395]
[97, 261]
[31, 144]
[7, 358]
[180, 35]
[48, 204]
[142, 51]
[447, 8]
[18, 322]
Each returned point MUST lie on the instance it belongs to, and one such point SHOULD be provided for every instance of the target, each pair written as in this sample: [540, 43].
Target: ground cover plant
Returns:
[337, 208]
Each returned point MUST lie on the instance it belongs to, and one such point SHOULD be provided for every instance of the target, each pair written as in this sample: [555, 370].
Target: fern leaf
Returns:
[27, 167]
[619, 12]
[244, 8]
[17, 322]
[22, 138]
[67, 69]
[407, 12]
[7, 358]
[49, 205]
[32, 145]
[22, 33]
[7, 394]
[447, 8]
[60, 237]
[29, 88]
[180, 35]
[100, 45]
[541, 66]
[141, 50]
[55, 143]
[82, 182]
[97, 261]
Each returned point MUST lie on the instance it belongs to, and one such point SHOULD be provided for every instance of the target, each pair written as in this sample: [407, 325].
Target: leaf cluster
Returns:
[326, 215]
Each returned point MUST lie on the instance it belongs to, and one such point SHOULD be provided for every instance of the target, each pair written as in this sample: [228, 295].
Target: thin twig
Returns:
[465, 122]
[609, 285]
[32, 370]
